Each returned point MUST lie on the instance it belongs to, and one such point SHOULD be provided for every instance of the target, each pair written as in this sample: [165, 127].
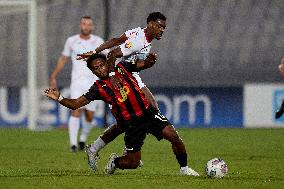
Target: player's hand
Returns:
[85, 56]
[52, 93]
[53, 82]
[150, 60]
[152, 57]
[116, 82]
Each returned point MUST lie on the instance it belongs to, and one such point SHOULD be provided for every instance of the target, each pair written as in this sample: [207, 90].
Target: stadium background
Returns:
[217, 68]
[217, 59]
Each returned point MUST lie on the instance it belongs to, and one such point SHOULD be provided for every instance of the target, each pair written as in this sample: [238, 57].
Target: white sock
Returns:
[97, 145]
[184, 168]
[86, 129]
[73, 128]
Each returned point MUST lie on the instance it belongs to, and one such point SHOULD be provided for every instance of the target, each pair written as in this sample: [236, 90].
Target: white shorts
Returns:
[81, 86]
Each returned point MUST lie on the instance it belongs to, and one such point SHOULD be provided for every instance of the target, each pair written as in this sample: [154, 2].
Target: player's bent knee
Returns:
[170, 134]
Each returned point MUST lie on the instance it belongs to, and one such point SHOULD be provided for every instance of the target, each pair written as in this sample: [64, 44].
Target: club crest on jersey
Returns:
[124, 91]
[128, 45]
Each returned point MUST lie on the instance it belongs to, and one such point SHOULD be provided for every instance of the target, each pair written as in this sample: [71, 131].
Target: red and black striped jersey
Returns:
[129, 101]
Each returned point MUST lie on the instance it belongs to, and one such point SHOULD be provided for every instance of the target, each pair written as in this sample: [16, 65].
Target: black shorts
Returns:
[152, 121]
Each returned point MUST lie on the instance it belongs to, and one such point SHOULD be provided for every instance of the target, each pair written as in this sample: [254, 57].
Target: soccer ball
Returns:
[216, 168]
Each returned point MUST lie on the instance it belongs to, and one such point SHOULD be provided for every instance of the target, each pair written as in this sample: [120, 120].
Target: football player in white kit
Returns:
[132, 45]
[81, 79]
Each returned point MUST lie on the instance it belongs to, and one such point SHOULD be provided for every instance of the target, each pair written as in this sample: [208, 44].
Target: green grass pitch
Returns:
[42, 160]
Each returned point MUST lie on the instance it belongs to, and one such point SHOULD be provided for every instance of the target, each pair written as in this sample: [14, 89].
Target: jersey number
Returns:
[160, 117]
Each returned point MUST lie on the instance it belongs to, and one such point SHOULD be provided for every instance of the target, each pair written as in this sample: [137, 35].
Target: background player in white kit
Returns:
[81, 79]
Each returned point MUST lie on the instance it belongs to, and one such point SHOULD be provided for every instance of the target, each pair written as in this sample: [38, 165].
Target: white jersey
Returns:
[137, 46]
[76, 45]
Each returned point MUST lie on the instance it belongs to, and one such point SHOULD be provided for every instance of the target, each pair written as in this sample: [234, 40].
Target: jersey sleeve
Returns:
[67, 51]
[93, 93]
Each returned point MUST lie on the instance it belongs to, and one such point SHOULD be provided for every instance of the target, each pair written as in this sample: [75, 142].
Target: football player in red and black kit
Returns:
[131, 110]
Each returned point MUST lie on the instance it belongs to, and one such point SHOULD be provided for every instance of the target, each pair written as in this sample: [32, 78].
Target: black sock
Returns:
[182, 159]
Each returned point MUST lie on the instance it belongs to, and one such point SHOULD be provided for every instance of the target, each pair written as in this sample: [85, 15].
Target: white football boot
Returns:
[188, 171]
[110, 166]
[92, 158]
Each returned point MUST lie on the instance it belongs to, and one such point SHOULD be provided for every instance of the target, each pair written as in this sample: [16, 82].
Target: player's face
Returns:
[158, 28]
[100, 68]
[86, 26]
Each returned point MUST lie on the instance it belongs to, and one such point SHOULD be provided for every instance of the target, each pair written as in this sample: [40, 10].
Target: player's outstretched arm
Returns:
[62, 60]
[106, 45]
[73, 104]
[111, 43]
[111, 58]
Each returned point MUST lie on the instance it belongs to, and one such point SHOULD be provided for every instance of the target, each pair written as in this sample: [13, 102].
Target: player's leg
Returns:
[92, 150]
[129, 161]
[77, 88]
[134, 139]
[124, 152]
[86, 128]
[73, 129]
[74, 120]
[108, 135]
[169, 133]
[162, 129]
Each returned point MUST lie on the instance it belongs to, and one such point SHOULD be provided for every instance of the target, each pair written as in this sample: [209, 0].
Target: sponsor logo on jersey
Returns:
[128, 45]
[123, 92]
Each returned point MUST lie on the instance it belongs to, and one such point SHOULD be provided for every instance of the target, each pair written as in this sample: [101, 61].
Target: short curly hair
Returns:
[94, 57]
[154, 16]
